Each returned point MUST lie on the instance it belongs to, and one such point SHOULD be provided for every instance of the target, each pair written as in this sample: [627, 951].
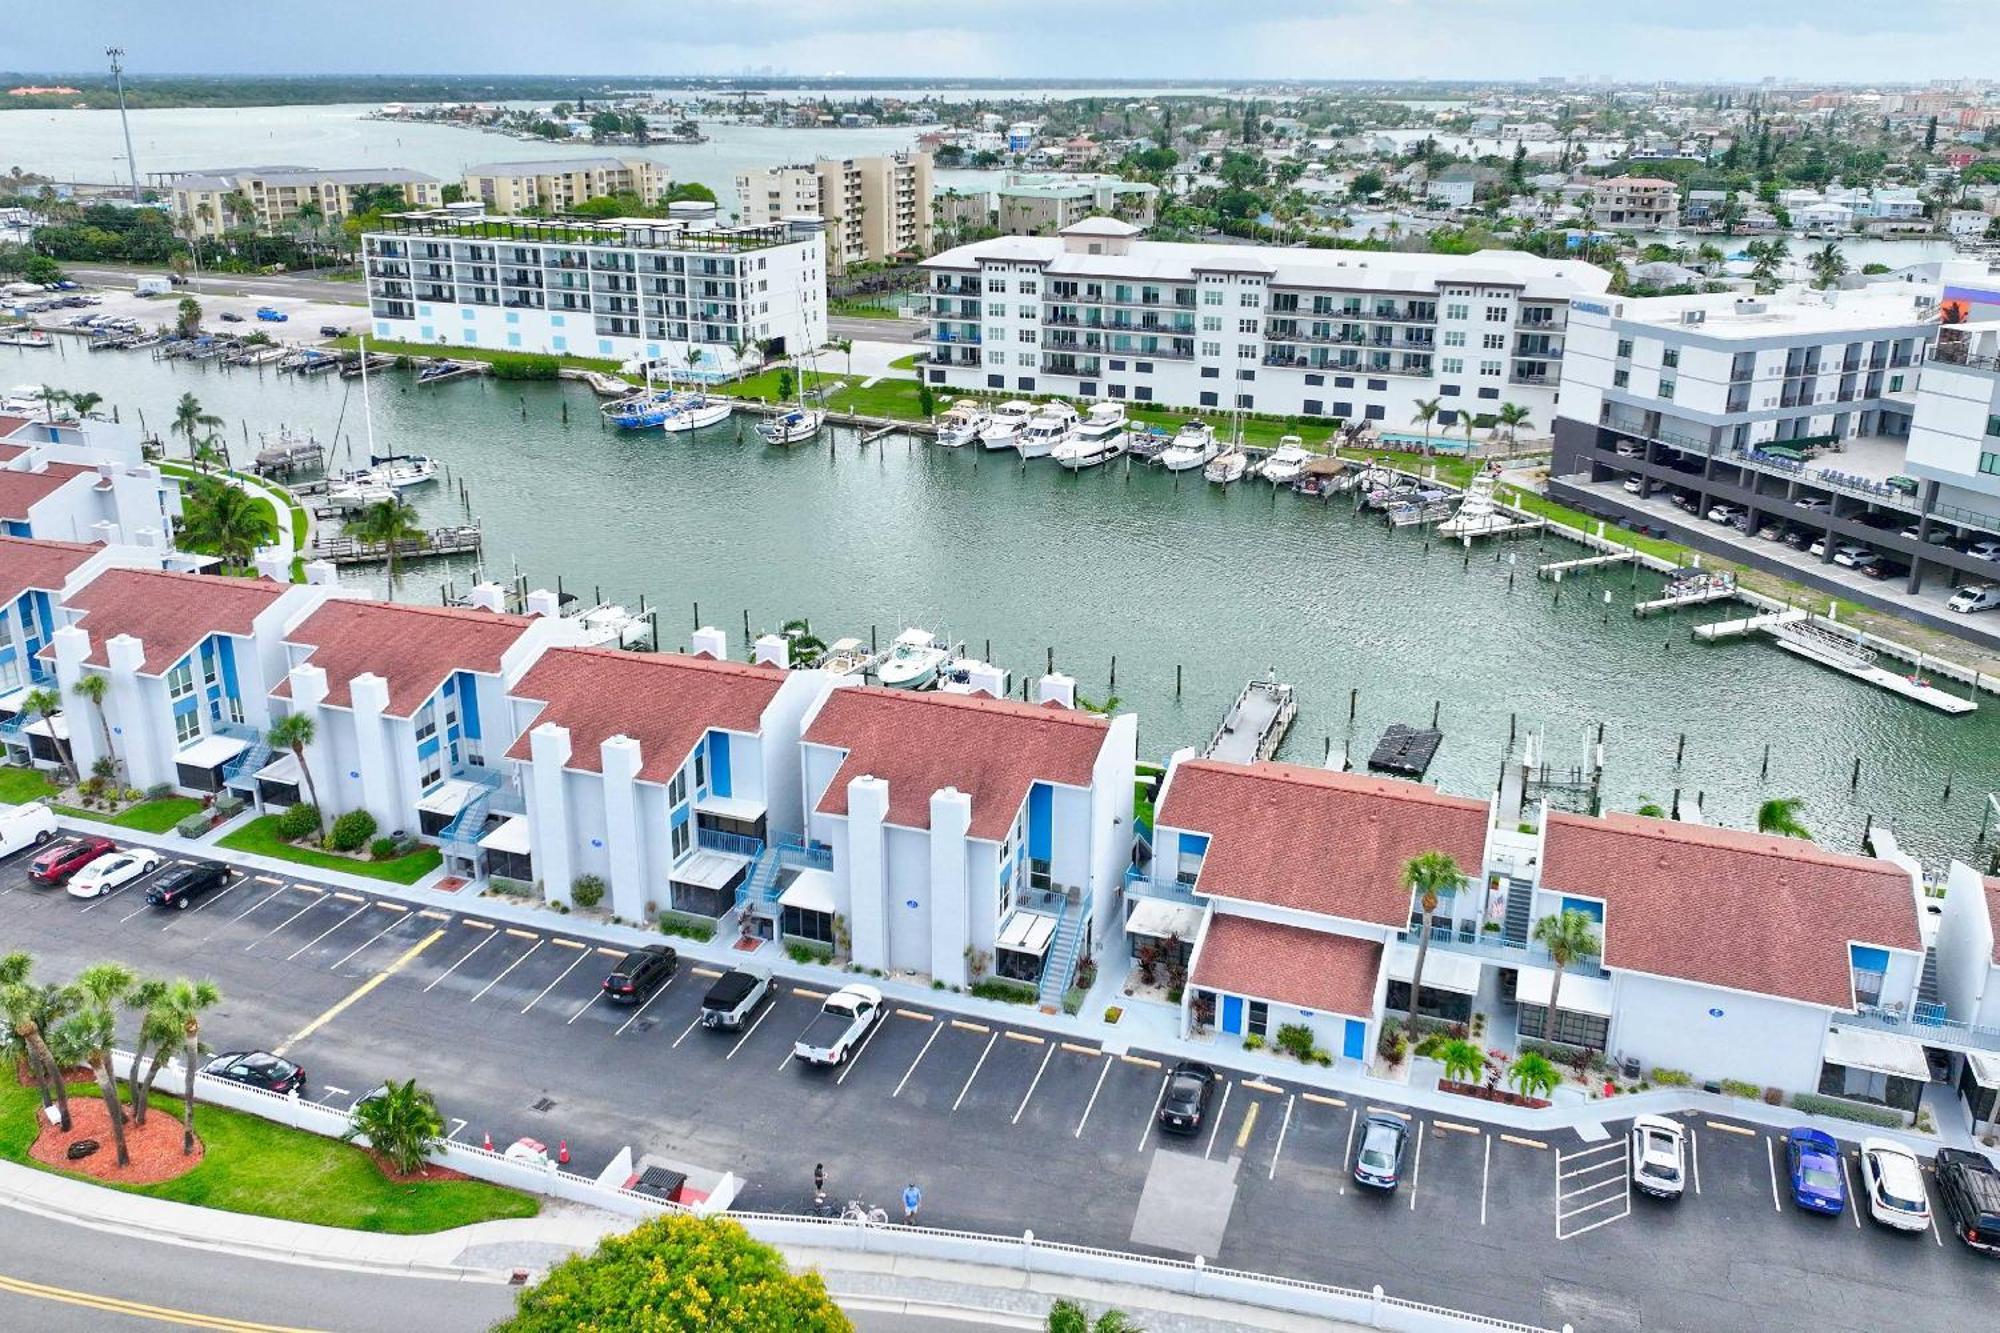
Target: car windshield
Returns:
[1899, 1186]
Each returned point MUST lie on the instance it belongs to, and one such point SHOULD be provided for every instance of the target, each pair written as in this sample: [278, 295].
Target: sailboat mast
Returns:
[367, 413]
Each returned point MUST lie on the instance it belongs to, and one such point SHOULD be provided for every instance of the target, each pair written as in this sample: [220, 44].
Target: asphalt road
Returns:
[1005, 1128]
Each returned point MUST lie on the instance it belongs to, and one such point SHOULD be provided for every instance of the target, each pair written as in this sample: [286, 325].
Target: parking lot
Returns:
[1006, 1127]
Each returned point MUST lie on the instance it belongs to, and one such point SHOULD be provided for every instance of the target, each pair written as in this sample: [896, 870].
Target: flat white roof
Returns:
[1443, 970]
[210, 751]
[1158, 918]
[285, 768]
[1792, 313]
[511, 836]
[812, 891]
[1985, 1068]
[1879, 1052]
[729, 807]
[1026, 932]
[50, 726]
[1580, 995]
[708, 870]
[449, 797]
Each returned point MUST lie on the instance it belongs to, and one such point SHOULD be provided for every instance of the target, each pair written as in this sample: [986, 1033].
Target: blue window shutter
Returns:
[468, 705]
[680, 816]
[226, 648]
[1041, 816]
[1866, 959]
[719, 780]
[1194, 844]
[429, 747]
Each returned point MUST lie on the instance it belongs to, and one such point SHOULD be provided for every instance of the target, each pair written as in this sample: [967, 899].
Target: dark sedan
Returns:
[1184, 1104]
[258, 1069]
[179, 886]
[1379, 1162]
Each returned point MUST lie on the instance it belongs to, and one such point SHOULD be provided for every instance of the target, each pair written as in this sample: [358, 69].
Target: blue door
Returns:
[1232, 1013]
[1354, 1043]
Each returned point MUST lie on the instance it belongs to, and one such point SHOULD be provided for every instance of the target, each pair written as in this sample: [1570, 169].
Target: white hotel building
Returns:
[624, 288]
[1094, 312]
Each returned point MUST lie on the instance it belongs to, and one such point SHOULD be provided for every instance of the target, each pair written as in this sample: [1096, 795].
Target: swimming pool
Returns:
[1439, 442]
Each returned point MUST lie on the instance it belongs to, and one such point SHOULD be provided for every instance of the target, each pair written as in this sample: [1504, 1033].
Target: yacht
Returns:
[1007, 421]
[795, 427]
[1477, 514]
[612, 626]
[1193, 445]
[1227, 466]
[640, 411]
[1286, 462]
[1099, 438]
[399, 471]
[912, 661]
[353, 493]
[1050, 430]
[694, 411]
[845, 657]
[962, 424]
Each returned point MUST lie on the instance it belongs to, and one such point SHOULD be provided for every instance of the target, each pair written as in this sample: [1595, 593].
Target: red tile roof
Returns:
[169, 613]
[1724, 907]
[20, 491]
[25, 564]
[10, 424]
[10, 452]
[1315, 840]
[413, 648]
[665, 701]
[1310, 969]
[993, 750]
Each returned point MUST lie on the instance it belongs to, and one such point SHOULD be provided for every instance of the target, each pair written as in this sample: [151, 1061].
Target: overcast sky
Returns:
[1854, 41]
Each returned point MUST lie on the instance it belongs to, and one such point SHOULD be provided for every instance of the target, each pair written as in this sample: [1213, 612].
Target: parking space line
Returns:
[1081, 1050]
[914, 1063]
[1023, 1036]
[1936, 1235]
[1323, 1099]
[707, 972]
[143, 906]
[1140, 1060]
[970, 1027]
[1416, 1165]
[1154, 1115]
[1520, 1142]
[486, 940]
[1847, 1192]
[804, 994]
[1608, 1164]
[207, 902]
[409, 956]
[593, 1000]
[1283, 1128]
[1347, 1150]
[286, 922]
[328, 931]
[975, 1069]
[1049, 1055]
[859, 1051]
[509, 968]
[769, 1009]
[573, 965]
[1102, 1074]
[693, 1023]
[248, 910]
[1730, 1129]
[1694, 1154]
[1771, 1156]
[642, 1008]
[1485, 1177]
[457, 1127]
[96, 903]
[334, 966]
[917, 1014]
[1220, 1114]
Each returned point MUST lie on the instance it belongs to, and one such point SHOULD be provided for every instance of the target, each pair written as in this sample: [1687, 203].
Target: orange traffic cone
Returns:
[562, 1151]
[488, 1144]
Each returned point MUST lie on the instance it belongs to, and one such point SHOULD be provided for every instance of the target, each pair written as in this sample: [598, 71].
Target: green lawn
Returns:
[260, 836]
[265, 1169]
[860, 310]
[20, 785]
[146, 817]
[349, 342]
[1549, 509]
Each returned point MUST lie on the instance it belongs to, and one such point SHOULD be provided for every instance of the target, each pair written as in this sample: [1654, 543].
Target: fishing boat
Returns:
[695, 411]
[845, 657]
[1192, 446]
[794, 427]
[962, 424]
[437, 372]
[1477, 514]
[401, 471]
[1007, 421]
[1051, 428]
[1286, 462]
[20, 335]
[912, 662]
[1099, 438]
[352, 494]
[1227, 466]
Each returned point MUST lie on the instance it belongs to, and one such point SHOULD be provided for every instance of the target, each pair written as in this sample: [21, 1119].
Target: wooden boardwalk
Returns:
[464, 539]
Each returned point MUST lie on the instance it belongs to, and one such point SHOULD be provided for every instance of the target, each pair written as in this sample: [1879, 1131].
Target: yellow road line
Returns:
[1249, 1123]
[1140, 1060]
[1081, 1050]
[1257, 1085]
[1520, 1142]
[970, 1027]
[698, 971]
[1731, 1129]
[1454, 1125]
[1023, 1036]
[133, 1309]
[914, 1013]
[359, 991]
[1322, 1099]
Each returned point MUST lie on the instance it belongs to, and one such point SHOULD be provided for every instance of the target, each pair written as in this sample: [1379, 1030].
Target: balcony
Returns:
[1960, 354]
[1490, 947]
[947, 336]
[1927, 1024]
[1639, 430]
[1861, 488]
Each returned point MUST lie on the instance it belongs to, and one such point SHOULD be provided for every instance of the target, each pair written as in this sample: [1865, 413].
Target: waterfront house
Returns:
[34, 578]
[965, 833]
[672, 778]
[41, 495]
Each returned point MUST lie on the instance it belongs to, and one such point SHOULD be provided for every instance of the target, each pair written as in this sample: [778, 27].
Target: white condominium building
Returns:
[1635, 203]
[557, 184]
[1347, 334]
[874, 207]
[269, 197]
[623, 288]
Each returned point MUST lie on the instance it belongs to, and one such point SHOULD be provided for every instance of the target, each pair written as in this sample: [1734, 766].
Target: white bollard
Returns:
[1027, 1251]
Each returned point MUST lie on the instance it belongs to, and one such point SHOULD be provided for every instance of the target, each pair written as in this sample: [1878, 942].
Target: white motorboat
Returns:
[607, 386]
[1477, 515]
[1008, 420]
[912, 661]
[399, 471]
[1227, 466]
[794, 427]
[962, 424]
[20, 335]
[611, 626]
[1286, 461]
[969, 675]
[351, 494]
[696, 411]
[1050, 430]
[1099, 438]
[1192, 446]
[845, 657]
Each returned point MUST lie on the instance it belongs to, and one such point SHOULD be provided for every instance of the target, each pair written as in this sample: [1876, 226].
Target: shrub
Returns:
[806, 951]
[1736, 1087]
[686, 926]
[383, 849]
[228, 804]
[1253, 1042]
[1813, 1104]
[512, 888]
[1296, 1040]
[1774, 1096]
[299, 821]
[1072, 1000]
[586, 891]
[525, 366]
[159, 791]
[1008, 992]
[1672, 1078]
[1086, 974]
[351, 831]
[194, 825]
[1174, 994]
[1322, 1057]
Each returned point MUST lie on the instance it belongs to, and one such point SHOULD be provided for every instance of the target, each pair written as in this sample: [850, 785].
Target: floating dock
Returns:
[1701, 598]
[1405, 751]
[1256, 724]
[1798, 633]
[1556, 569]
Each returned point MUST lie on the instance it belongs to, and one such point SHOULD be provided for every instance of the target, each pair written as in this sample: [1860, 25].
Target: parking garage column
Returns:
[548, 810]
[868, 871]
[951, 817]
[620, 758]
[369, 695]
[85, 743]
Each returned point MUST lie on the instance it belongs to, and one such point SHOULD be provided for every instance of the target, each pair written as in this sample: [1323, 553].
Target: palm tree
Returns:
[401, 1123]
[51, 399]
[83, 404]
[1534, 1075]
[229, 521]
[1780, 815]
[46, 703]
[1427, 410]
[1068, 1316]
[181, 1007]
[1462, 1060]
[846, 348]
[192, 423]
[388, 524]
[1513, 416]
[187, 317]
[1568, 935]
[1430, 876]
[92, 686]
[33, 1012]
[294, 732]
[1828, 265]
[103, 987]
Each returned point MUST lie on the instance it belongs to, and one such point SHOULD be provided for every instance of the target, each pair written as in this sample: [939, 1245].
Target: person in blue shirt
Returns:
[912, 1198]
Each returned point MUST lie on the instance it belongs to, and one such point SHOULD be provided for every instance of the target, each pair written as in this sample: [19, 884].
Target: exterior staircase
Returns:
[246, 765]
[1060, 966]
[1519, 907]
[1930, 1005]
[460, 838]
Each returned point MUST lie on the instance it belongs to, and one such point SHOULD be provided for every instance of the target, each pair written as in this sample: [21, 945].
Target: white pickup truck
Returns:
[839, 1026]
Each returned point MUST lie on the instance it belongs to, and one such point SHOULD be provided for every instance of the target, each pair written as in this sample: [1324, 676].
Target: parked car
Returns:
[1938, 536]
[1635, 484]
[332, 331]
[839, 1026]
[1894, 1183]
[258, 1069]
[1771, 532]
[1378, 1163]
[1974, 597]
[1970, 1189]
[1628, 449]
[1798, 538]
[1659, 1156]
[56, 863]
[1723, 513]
[1984, 550]
[1851, 555]
[181, 885]
[25, 826]
[1881, 566]
[1812, 1165]
[108, 874]
[640, 973]
[735, 996]
[1818, 546]
[271, 315]
[1184, 1104]
[230, 317]
[1816, 503]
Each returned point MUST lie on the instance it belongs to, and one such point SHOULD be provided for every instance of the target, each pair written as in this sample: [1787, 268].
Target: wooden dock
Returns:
[464, 539]
[1702, 598]
[1801, 634]
[1256, 724]
[1557, 569]
[1736, 629]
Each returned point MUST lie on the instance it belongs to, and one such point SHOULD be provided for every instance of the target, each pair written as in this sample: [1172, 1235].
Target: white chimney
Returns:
[774, 649]
[321, 573]
[274, 563]
[709, 641]
[988, 679]
[1057, 688]
[488, 596]
[542, 602]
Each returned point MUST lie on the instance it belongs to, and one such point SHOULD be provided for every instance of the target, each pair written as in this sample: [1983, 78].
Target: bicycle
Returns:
[819, 1205]
[863, 1214]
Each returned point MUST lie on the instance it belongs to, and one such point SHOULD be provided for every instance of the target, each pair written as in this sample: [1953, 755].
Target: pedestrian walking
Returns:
[912, 1199]
[819, 1178]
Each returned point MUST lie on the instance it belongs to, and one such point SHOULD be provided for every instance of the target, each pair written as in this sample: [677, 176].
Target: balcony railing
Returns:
[1490, 946]
[1860, 487]
[1959, 354]
[1927, 1025]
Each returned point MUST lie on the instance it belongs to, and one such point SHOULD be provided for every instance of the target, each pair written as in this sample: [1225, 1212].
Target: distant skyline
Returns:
[1843, 41]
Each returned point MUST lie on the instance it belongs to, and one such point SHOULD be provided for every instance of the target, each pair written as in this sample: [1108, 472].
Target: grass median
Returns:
[260, 837]
[160, 816]
[265, 1169]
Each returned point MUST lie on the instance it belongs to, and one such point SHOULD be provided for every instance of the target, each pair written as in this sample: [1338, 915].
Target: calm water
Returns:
[1225, 584]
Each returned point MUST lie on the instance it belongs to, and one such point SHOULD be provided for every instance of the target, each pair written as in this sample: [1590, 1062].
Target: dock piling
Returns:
[1854, 779]
[1764, 770]
[697, 615]
[746, 624]
[1353, 701]
[1114, 671]
[1680, 748]
[1436, 704]
[1177, 680]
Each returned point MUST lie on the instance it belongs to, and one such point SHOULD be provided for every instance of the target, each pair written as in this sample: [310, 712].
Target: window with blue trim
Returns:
[1590, 907]
[1192, 847]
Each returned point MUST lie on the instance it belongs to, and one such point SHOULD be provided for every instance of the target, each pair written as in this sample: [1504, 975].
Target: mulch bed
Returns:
[155, 1147]
[1486, 1094]
[427, 1172]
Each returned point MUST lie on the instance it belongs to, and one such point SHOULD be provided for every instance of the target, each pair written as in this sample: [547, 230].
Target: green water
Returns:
[1162, 573]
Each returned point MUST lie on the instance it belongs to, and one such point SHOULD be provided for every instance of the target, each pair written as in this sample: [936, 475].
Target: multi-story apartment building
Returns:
[624, 288]
[82, 481]
[874, 207]
[272, 196]
[1349, 335]
[1635, 203]
[1955, 430]
[556, 184]
[1031, 204]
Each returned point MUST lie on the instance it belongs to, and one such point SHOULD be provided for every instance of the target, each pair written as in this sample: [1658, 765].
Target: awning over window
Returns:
[708, 870]
[1158, 918]
[511, 836]
[449, 797]
[209, 751]
[1026, 932]
[1985, 1068]
[51, 726]
[729, 807]
[1580, 995]
[811, 891]
[285, 769]
[1443, 970]
[1877, 1052]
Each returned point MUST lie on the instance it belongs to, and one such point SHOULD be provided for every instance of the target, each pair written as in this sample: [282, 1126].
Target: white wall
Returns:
[1965, 949]
[1758, 1039]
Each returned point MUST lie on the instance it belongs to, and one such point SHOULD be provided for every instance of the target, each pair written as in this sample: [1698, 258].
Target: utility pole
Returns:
[117, 53]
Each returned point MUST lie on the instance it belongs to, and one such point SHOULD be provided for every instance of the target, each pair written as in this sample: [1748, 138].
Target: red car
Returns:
[65, 858]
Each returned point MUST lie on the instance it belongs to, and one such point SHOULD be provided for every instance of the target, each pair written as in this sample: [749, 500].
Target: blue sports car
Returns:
[1812, 1164]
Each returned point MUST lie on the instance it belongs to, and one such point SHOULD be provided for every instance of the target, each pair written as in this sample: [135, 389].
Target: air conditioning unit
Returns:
[1694, 316]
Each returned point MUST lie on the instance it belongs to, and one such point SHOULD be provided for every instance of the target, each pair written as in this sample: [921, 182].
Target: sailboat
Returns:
[693, 411]
[796, 426]
[642, 410]
[360, 488]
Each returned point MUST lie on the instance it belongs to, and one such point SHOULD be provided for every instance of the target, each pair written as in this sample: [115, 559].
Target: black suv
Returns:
[642, 972]
[180, 885]
[1970, 1188]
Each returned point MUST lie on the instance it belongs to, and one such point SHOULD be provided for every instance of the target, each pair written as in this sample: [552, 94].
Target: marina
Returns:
[1256, 723]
